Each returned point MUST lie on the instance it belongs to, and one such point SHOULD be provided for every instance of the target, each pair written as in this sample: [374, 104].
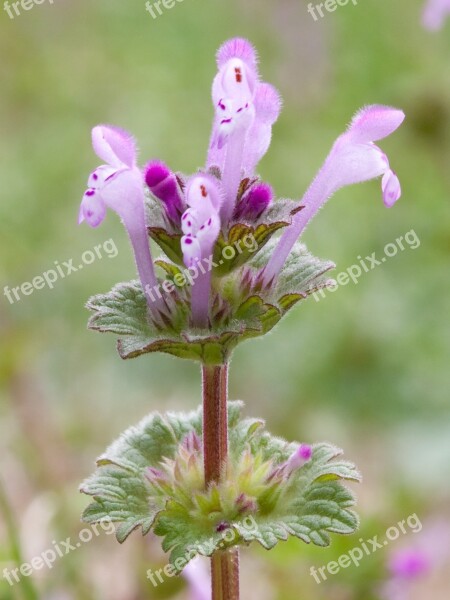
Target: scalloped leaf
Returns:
[124, 311]
[321, 509]
[239, 312]
[119, 487]
[312, 503]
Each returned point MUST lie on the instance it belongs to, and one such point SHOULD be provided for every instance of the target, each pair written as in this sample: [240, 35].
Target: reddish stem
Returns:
[224, 564]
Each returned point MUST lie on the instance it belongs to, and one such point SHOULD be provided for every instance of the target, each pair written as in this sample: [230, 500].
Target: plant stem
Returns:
[224, 564]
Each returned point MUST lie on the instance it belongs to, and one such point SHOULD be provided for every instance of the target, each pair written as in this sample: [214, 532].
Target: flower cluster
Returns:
[192, 218]
[250, 483]
[153, 478]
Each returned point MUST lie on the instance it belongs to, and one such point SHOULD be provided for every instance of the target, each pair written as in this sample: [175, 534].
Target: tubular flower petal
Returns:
[119, 185]
[113, 145]
[391, 188]
[163, 184]
[298, 458]
[245, 112]
[354, 158]
[237, 48]
[201, 225]
[267, 103]
[254, 203]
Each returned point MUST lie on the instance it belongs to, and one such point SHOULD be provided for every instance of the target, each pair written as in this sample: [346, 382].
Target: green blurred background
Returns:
[366, 368]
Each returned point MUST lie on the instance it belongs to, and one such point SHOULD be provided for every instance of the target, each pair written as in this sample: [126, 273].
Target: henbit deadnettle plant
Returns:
[194, 477]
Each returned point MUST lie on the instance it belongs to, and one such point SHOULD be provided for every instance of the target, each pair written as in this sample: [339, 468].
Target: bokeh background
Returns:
[366, 368]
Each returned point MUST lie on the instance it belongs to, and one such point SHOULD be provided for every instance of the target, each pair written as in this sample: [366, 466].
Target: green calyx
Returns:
[152, 478]
[241, 308]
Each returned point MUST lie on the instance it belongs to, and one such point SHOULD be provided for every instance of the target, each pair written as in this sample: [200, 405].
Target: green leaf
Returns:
[122, 496]
[303, 273]
[310, 504]
[119, 487]
[123, 310]
[321, 509]
[183, 537]
[315, 503]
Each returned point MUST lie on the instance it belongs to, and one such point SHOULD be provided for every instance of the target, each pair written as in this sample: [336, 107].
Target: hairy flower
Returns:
[163, 184]
[119, 185]
[354, 158]
[245, 109]
[203, 222]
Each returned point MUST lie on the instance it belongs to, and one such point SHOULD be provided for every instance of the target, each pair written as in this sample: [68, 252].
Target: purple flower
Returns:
[245, 112]
[296, 461]
[300, 457]
[434, 14]
[354, 158]
[417, 560]
[197, 575]
[409, 563]
[201, 225]
[206, 205]
[163, 184]
[254, 203]
[119, 185]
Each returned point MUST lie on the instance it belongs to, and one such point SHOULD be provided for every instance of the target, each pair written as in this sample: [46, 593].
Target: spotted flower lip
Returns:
[201, 226]
[245, 109]
[119, 185]
[226, 198]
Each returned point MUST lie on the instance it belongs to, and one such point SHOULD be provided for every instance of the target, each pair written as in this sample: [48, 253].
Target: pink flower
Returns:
[119, 185]
[245, 112]
[201, 225]
[197, 575]
[246, 109]
[206, 205]
[163, 184]
[434, 14]
[354, 158]
[296, 461]
[417, 560]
